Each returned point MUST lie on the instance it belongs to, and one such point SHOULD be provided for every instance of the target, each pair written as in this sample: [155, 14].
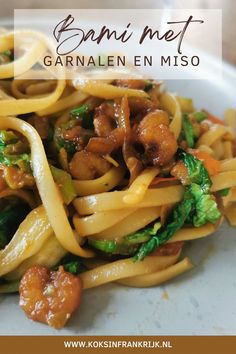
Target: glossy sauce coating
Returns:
[49, 296]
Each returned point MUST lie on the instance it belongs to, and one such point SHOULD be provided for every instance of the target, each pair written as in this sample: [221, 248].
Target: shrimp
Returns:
[103, 125]
[87, 165]
[48, 296]
[159, 142]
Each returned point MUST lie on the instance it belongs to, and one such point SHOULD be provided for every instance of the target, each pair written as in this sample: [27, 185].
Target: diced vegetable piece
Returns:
[211, 165]
[199, 116]
[175, 221]
[64, 183]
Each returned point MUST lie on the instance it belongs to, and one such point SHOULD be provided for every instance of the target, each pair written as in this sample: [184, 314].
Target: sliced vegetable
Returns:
[211, 165]
[7, 137]
[200, 116]
[223, 192]
[61, 142]
[188, 130]
[175, 221]
[196, 170]
[72, 264]
[22, 161]
[108, 246]
[9, 288]
[65, 184]
[129, 243]
[197, 207]
[205, 207]
[85, 114]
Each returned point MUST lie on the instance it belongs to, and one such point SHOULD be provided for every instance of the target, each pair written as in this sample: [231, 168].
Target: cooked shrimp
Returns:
[86, 165]
[103, 125]
[105, 145]
[48, 296]
[159, 142]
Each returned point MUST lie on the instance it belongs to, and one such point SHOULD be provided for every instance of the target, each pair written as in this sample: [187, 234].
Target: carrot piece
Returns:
[211, 165]
[158, 180]
[214, 119]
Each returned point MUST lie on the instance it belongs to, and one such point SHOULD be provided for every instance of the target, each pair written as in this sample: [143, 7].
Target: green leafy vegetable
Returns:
[72, 264]
[205, 207]
[223, 192]
[8, 139]
[60, 141]
[129, 243]
[196, 170]
[65, 184]
[22, 161]
[175, 221]
[85, 114]
[113, 247]
[6, 57]
[108, 246]
[188, 130]
[199, 116]
[197, 207]
[8, 53]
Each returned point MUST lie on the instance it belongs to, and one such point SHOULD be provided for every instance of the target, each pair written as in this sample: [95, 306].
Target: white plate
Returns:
[201, 301]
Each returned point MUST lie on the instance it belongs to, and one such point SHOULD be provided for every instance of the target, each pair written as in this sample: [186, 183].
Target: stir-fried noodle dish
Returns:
[103, 181]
